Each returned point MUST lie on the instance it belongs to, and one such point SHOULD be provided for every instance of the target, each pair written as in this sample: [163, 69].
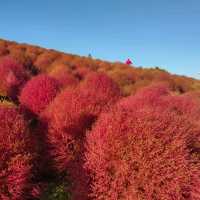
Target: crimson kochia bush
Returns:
[38, 93]
[143, 154]
[16, 155]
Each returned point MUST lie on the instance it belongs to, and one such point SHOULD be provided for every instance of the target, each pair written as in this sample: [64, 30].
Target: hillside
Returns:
[40, 60]
[77, 128]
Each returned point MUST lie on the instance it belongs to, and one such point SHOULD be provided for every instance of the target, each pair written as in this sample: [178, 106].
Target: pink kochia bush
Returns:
[101, 93]
[151, 95]
[15, 156]
[69, 116]
[13, 76]
[159, 97]
[143, 154]
[38, 93]
[184, 105]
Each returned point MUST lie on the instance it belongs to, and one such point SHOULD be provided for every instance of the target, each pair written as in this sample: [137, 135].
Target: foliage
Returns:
[15, 155]
[131, 80]
[38, 93]
[78, 128]
[68, 117]
[142, 154]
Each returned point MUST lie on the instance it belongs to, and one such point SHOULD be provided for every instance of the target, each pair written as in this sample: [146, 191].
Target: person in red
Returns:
[129, 62]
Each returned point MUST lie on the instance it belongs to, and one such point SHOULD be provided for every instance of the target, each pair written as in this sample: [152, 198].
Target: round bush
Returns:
[101, 93]
[151, 95]
[159, 97]
[38, 93]
[66, 112]
[143, 154]
[15, 155]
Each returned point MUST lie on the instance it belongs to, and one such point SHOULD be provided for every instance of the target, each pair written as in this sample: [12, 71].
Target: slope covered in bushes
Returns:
[69, 68]
[76, 128]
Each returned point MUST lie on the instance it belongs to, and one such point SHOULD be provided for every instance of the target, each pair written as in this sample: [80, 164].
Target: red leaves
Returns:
[15, 157]
[73, 107]
[68, 117]
[38, 93]
[85, 142]
[67, 123]
[101, 93]
[142, 154]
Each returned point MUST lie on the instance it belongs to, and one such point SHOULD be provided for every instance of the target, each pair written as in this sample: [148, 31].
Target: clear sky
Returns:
[163, 33]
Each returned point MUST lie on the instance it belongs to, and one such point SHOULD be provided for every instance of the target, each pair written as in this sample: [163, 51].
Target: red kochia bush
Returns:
[150, 95]
[69, 116]
[38, 93]
[159, 97]
[143, 154]
[15, 157]
[101, 93]
[13, 76]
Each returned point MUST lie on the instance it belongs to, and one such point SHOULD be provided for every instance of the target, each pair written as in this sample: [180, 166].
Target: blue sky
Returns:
[163, 33]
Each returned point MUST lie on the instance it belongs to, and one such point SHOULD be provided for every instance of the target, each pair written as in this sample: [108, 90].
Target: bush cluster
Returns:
[129, 78]
[76, 128]
[143, 153]
[16, 155]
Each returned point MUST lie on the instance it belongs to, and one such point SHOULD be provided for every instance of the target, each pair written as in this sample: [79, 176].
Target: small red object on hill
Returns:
[129, 62]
